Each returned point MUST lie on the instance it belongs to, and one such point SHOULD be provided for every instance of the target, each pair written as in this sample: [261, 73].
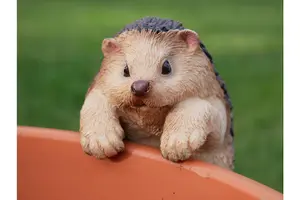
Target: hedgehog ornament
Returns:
[157, 86]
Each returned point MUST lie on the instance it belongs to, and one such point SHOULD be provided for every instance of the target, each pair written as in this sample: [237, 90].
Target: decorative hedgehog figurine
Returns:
[157, 86]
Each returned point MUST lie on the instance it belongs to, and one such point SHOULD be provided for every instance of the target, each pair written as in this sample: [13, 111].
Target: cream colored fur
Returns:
[185, 114]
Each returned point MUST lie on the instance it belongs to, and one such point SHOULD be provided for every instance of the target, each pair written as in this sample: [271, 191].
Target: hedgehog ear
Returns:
[109, 45]
[191, 38]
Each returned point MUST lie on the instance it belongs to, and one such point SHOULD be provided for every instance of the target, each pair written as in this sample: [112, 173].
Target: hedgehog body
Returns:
[158, 86]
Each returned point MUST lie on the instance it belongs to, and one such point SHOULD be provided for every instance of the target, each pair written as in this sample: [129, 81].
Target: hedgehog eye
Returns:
[126, 71]
[166, 68]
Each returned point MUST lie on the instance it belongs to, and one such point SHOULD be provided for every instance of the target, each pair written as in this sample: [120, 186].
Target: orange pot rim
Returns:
[201, 169]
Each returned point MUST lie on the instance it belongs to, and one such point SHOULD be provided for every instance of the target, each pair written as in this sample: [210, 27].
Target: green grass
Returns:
[59, 53]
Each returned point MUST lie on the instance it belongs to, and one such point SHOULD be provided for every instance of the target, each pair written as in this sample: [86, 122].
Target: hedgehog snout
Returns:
[140, 88]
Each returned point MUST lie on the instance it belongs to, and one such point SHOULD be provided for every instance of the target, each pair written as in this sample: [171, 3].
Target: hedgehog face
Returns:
[155, 69]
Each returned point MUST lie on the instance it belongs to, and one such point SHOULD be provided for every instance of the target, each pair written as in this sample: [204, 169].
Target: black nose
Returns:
[140, 87]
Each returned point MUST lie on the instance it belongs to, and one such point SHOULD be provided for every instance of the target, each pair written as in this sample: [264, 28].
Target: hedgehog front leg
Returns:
[100, 129]
[187, 126]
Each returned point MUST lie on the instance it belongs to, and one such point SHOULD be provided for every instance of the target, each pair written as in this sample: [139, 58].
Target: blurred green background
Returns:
[59, 45]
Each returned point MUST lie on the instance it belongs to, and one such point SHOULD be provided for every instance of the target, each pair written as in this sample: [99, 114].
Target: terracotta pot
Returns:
[52, 166]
